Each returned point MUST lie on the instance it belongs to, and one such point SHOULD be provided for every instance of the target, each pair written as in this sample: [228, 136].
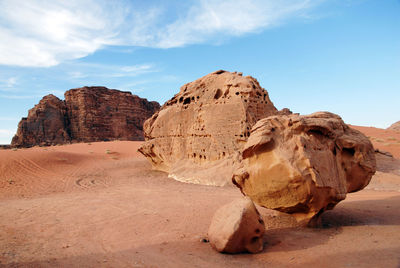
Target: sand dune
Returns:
[383, 139]
[101, 205]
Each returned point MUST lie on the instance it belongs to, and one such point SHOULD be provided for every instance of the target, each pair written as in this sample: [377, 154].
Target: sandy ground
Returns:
[383, 139]
[101, 205]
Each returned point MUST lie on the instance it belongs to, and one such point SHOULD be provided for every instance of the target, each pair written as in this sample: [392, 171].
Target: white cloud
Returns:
[92, 70]
[136, 68]
[47, 32]
[8, 83]
[228, 18]
[133, 70]
[77, 75]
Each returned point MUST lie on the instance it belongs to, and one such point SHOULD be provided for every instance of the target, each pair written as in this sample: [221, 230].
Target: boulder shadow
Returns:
[353, 213]
[366, 212]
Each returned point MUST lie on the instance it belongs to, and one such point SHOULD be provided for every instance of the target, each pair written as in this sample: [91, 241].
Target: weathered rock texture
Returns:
[98, 113]
[87, 114]
[237, 227]
[304, 164]
[196, 136]
[395, 126]
[46, 124]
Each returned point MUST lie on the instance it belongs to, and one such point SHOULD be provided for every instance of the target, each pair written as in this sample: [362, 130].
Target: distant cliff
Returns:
[87, 114]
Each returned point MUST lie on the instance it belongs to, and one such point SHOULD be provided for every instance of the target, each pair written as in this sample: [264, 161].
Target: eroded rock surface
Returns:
[237, 227]
[99, 113]
[304, 164]
[196, 136]
[46, 124]
[87, 114]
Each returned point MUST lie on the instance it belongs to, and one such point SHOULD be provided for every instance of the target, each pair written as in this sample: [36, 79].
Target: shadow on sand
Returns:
[289, 244]
[368, 212]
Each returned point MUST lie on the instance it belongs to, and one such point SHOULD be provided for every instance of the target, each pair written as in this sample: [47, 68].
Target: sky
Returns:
[341, 56]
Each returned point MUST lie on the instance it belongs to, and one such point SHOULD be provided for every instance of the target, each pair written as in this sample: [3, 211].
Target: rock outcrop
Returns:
[395, 126]
[46, 124]
[237, 227]
[98, 113]
[87, 114]
[304, 165]
[196, 136]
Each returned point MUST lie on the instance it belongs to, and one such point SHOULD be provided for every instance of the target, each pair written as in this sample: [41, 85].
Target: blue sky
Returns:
[341, 56]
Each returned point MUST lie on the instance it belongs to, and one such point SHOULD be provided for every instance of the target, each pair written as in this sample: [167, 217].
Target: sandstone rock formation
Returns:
[99, 113]
[395, 126]
[237, 227]
[87, 114]
[46, 124]
[304, 165]
[196, 136]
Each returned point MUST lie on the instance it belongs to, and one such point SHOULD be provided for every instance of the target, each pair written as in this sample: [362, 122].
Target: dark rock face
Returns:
[98, 113]
[46, 124]
[87, 114]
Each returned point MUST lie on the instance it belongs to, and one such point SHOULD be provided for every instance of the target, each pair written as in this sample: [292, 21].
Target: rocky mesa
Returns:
[87, 114]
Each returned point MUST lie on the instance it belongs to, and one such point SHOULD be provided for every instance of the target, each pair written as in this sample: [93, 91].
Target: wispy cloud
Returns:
[33, 83]
[136, 68]
[77, 75]
[46, 32]
[8, 83]
[133, 70]
[208, 19]
[91, 70]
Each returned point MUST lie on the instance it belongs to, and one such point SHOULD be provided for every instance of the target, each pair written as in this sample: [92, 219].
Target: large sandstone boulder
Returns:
[395, 126]
[196, 136]
[237, 227]
[304, 164]
[87, 114]
[46, 124]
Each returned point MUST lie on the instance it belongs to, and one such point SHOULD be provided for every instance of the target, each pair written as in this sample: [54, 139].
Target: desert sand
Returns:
[383, 139]
[100, 205]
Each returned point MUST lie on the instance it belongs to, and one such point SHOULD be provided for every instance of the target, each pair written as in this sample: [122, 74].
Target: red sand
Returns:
[101, 205]
[383, 139]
